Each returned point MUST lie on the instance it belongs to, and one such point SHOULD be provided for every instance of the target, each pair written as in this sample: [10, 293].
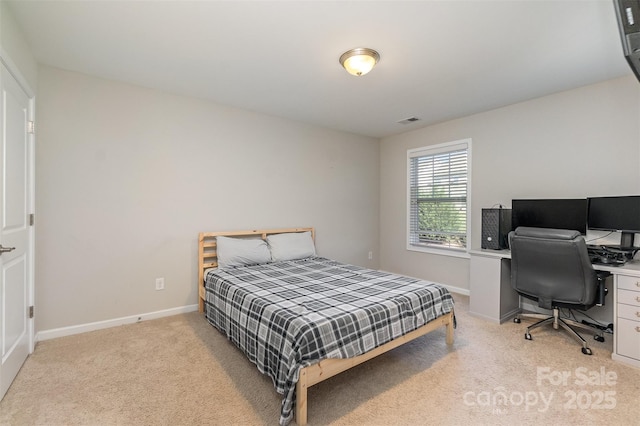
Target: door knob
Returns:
[6, 249]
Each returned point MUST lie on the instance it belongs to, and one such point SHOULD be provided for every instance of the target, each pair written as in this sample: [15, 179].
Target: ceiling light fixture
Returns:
[359, 61]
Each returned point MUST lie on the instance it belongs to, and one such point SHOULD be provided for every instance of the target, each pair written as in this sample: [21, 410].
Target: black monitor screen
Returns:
[550, 213]
[620, 214]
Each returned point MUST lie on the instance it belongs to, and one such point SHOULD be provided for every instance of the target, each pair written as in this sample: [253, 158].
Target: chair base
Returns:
[557, 322]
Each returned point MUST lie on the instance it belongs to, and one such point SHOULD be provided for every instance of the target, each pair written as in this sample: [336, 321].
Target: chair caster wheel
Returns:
[587, 351]
[599, 338]
[517, 320]
[528, 336]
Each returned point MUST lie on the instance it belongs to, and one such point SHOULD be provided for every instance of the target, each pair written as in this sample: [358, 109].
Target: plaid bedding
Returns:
[287, 315]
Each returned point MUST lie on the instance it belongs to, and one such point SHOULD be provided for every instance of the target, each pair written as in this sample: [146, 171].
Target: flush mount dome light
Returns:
[359, 61]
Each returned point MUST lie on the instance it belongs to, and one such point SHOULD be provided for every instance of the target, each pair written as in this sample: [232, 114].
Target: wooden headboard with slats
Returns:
[208, 255]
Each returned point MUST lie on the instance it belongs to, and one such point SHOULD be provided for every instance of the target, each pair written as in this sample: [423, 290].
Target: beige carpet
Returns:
[180, 371]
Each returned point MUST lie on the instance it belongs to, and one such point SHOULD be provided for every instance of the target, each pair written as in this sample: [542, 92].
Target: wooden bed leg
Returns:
[301, 398]
[450, 329]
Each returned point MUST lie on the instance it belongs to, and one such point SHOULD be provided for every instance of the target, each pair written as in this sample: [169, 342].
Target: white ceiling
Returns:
[439, 59]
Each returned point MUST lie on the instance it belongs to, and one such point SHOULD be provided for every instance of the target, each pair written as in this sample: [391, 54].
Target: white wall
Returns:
[579, 143]
[128, 176]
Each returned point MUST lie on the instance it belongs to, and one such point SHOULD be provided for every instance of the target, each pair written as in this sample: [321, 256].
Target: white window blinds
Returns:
[438, 179]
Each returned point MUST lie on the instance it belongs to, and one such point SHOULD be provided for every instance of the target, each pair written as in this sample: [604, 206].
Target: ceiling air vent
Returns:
[408, 120]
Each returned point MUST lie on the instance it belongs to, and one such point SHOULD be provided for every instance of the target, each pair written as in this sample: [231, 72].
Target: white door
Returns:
[15, 233]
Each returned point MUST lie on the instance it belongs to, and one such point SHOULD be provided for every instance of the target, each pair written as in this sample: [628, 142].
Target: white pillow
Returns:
[291, 246]
[241, 252]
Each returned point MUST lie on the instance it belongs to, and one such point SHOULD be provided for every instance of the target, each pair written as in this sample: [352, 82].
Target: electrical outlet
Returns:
[370, 255]
[159, 283]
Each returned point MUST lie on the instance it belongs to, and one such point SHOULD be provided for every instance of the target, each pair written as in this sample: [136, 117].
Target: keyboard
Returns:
[604, 260]
[601, 255]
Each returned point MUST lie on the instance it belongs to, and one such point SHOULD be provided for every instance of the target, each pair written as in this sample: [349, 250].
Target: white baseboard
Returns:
[83, 328]
[458, 290]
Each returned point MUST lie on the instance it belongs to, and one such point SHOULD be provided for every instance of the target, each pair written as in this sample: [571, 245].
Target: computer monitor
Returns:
[619, 214]
[550, 213]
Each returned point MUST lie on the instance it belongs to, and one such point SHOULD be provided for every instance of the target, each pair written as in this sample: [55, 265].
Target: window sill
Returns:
[441, 251]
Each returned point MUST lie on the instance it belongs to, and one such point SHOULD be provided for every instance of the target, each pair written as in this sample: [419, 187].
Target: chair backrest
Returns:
[552, 266]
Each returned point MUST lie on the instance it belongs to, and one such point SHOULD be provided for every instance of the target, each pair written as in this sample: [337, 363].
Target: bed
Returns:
[301, 318]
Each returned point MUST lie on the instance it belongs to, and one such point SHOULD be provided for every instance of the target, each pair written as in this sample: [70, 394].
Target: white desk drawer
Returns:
[628, 282]
[628, 338]
[629, 297]
[629, 312]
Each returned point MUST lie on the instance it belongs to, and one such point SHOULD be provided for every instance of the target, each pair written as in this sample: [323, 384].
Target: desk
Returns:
[491, 295]
[492, 298]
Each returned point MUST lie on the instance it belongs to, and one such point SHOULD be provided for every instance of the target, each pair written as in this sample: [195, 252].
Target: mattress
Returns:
[287, 315]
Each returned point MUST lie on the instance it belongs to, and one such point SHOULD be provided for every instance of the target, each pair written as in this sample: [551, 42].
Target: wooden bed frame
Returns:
[316, 373]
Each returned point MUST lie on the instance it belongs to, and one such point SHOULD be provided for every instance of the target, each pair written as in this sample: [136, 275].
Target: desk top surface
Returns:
[632, 267]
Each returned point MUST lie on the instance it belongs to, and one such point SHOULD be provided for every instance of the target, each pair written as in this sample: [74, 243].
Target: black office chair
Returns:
[552, 267]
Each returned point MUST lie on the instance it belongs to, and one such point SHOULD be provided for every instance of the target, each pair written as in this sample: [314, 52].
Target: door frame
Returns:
[31, 145]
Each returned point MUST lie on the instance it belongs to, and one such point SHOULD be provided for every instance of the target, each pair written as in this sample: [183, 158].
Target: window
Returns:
[438, 197]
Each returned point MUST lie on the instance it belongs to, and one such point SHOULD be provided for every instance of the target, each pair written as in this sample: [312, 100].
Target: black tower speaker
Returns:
[496, 225]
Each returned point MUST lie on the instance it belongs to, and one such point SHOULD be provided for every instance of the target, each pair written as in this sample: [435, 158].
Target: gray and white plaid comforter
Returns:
[287, 315]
